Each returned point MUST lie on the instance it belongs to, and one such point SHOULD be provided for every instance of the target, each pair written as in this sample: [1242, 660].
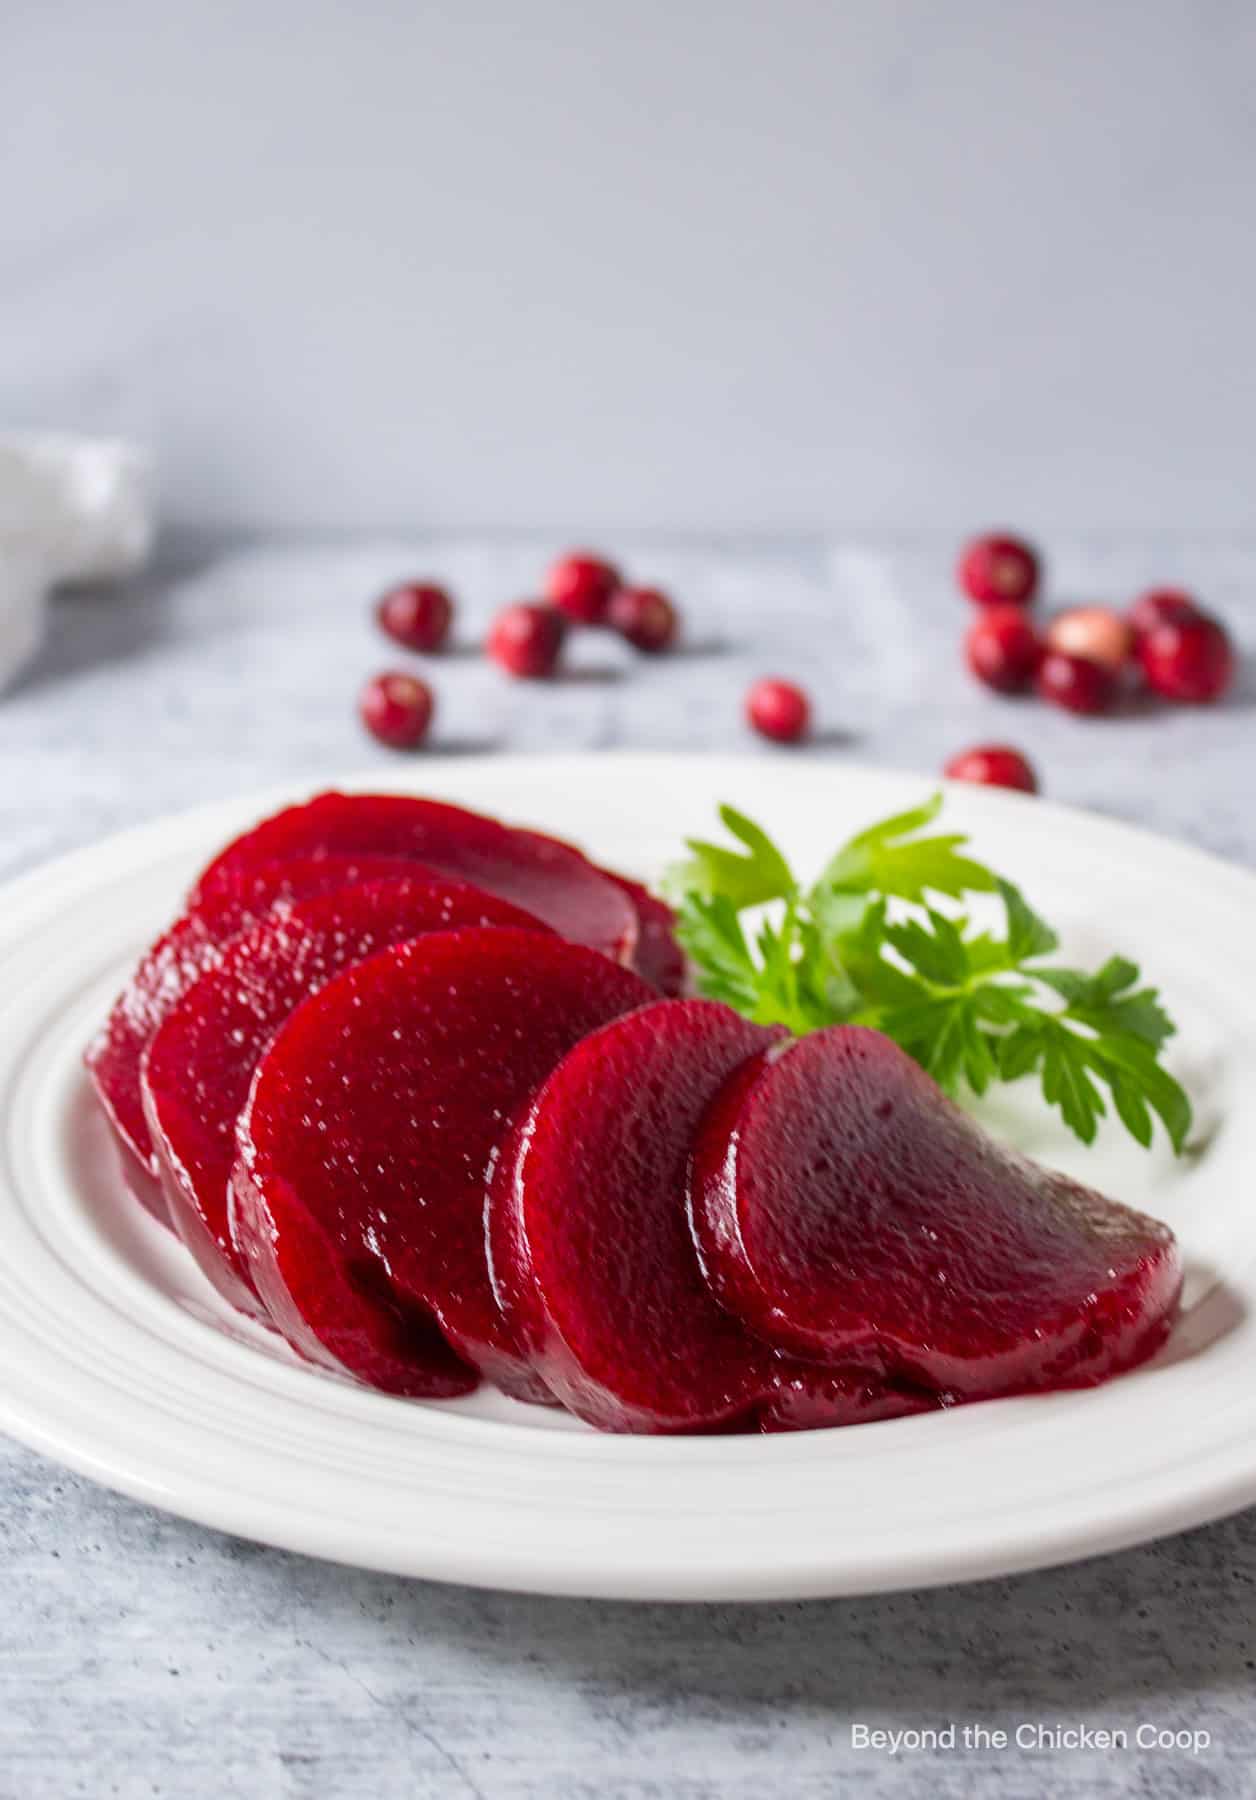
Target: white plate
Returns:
[116, 1357]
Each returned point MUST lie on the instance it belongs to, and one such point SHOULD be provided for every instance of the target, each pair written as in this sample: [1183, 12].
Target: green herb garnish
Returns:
[882, 939]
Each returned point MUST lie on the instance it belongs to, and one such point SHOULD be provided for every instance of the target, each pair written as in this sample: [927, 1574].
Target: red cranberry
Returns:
[998, 571]
[526, 639]
[397, 709]
[1188, 659]
[643, 616]
[417, 614]
[1003, 649]
[778, 709]
[1161, 606]
[581, 585]
[1095, 632]
[1076, 682]
[993, 765]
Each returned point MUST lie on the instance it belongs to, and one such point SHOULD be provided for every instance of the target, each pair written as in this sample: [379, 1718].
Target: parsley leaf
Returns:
[1105, 1001]
[880, 940]
[889, 859]
[748, 879]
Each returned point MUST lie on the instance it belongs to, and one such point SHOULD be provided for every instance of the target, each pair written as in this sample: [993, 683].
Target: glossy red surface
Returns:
[397, 709]
[1161, 606]
[1188, 660]
[993, 765]
[198, 1068]
[1076, 683]
[779, 710]
[645, 617]
[998, 570]
[812, 1398]
[592, 1253]
[526, 639]
[382, 1106]
[547, 878]
[658, 956]
[349, 1316]
[845, 1208]
[1003, 649]
[580, 585]
[193, 945]
[417, 614]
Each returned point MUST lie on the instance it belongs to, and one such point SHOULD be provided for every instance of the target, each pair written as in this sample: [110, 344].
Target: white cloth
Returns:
[71, 509]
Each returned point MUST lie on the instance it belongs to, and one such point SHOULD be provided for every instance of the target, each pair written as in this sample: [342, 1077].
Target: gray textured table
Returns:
[141, 1656]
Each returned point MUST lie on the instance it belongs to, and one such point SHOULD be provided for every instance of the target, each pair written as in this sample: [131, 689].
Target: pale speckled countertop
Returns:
[141, 1656]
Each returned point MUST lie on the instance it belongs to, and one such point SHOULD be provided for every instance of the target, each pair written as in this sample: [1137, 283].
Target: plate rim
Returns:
[1160, 1515]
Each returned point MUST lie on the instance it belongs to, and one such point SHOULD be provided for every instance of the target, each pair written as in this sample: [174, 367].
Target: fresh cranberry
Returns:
[1188, 659]
[1076, 683]
[526, 639]
[397, 709]
[643, 616]
[777, 709]
[1095, 632]
[1003, 649]
[998, 571]
[1161, 606]
[993, 765]
[417, 614]
[581, 585]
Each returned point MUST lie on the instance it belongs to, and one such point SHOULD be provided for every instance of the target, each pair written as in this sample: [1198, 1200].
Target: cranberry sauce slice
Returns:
[192, 946]
[173, 964]
[549, 879]
[658, 957]
[590, 1244]
[198, 1067]
[808, 1397]
[378, 1113]
[350, 1318]
[843, 1204]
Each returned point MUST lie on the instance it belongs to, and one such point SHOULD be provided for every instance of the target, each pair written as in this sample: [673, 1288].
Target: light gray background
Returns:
[141, 1657]
[753, 264]
[759, 269]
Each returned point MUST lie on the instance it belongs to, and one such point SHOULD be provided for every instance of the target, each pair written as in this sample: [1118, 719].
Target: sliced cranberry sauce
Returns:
[382, 1106]
[198, 1068]
[193, 945]
[844, 1206]
[547, 878]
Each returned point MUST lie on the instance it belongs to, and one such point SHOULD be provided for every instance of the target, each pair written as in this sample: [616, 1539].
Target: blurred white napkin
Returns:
[71, 509]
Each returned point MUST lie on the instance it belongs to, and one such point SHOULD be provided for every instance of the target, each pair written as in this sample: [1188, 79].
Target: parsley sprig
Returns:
[881, 939]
